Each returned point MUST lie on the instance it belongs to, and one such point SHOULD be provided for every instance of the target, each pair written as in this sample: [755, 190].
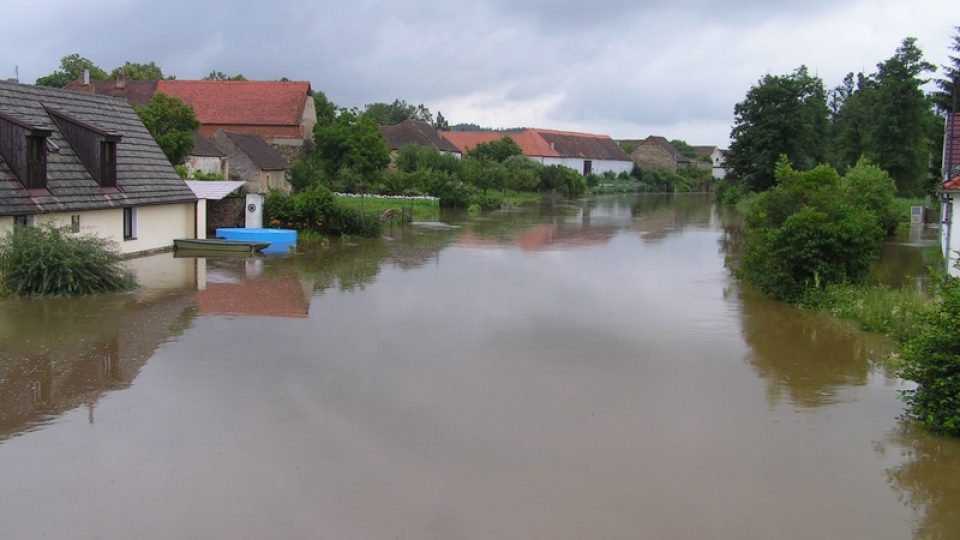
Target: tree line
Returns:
[884, 116]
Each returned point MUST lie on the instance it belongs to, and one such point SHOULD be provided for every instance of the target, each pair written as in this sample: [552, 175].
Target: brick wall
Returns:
[227, 212]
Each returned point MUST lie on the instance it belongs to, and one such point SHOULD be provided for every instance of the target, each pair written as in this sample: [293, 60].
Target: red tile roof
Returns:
[951, 144]
[265, 108]
[544, 143]
[952, 184]
[274, 103]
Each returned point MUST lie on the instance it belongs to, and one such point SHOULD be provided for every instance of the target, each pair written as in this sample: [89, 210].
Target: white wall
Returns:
[207, 165]
[599, 166]
[156, 226]
[719, 164]
[950, 231]
[6, 223]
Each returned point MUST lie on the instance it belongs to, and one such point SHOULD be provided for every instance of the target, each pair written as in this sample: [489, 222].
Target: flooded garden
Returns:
[574, 370]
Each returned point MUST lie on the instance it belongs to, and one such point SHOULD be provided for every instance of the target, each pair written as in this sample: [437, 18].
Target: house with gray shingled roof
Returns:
[87, 162]
[656, 152]
[416, 132]
[253, 161]
[207, 157]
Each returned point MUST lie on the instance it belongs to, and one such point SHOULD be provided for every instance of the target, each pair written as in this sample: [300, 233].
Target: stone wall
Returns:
[227, 212]
[654, 156]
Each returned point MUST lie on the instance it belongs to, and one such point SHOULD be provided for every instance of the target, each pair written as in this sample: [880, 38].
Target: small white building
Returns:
[88, 163]
[207, 158]
[950, 194]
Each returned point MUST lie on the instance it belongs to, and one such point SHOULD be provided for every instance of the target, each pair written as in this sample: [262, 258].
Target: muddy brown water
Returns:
[580, 370]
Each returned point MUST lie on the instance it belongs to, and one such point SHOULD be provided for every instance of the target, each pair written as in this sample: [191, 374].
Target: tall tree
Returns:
[947, 96]
[71, 67]
[850, 118]
[172, 123]
[352, 141]
[388, 114]
[215, 75]
[326, 109]
[138, 72]
[441, 122]
[898, 138]
[780, 115]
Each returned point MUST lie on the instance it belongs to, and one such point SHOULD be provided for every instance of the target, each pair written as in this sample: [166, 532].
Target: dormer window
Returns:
[24, 148]
[36, 177]
[108, 164]
[95, 147]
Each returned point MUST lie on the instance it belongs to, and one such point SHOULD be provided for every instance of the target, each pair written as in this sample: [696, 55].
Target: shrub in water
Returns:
[931, 358]
[49, 261]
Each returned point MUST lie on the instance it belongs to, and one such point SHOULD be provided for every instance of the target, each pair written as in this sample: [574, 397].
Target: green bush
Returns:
[931, 358]
[316, 209]
[488, 201]
[50, 261]
[804, 233]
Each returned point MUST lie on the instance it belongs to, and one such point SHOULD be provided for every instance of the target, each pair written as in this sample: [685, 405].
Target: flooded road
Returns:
[575, 371]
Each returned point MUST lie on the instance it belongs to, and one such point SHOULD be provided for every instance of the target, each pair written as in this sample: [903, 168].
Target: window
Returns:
[108, 164]
[130, 223]
[587, 167]
[36, 163]
[75, 223]
[23, 221]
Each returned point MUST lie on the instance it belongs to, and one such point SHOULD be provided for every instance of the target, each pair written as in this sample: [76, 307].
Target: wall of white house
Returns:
[719, 165]
[156, 226]
[208, 165]
[599, 166]
[950, 231]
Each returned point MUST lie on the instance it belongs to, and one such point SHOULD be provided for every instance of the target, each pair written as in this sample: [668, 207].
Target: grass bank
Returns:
[875, 308]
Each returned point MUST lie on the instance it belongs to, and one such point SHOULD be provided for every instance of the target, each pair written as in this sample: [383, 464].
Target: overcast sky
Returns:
[627, 68]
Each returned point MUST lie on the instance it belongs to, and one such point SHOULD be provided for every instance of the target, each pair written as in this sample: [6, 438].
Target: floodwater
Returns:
[581, 370]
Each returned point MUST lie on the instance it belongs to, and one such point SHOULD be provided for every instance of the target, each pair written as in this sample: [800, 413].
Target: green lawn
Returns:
[421, 209]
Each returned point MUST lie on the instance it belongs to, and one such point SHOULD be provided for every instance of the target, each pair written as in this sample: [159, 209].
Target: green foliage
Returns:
[138, 72]
[306, 170]
[807, 233]
[627, 148]
[316, 209]
[871, 188]
[781, 115]
[49, 261]
[886, 117]
[875, 308]
[172, 123]
[947, 96]
[352, 141]
[326, 109]
[931, 358]
[215, 75]
[498, 150]
[197, 174]
[441, 123]
[71, 67]
[388, 114]
[563, 180]
[684, 148]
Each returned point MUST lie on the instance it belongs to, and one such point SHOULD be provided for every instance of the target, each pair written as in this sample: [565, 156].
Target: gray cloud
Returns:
[617, 66]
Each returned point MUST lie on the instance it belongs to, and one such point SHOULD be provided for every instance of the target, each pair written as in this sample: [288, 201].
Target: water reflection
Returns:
[572, 356]
[807, 358]
[928, 479]
[59, 354]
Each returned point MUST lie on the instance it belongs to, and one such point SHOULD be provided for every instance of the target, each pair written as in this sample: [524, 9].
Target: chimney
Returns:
[86, 77]
[121, 81]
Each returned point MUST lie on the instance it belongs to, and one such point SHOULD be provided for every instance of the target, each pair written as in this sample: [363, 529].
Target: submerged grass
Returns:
[875, 308]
